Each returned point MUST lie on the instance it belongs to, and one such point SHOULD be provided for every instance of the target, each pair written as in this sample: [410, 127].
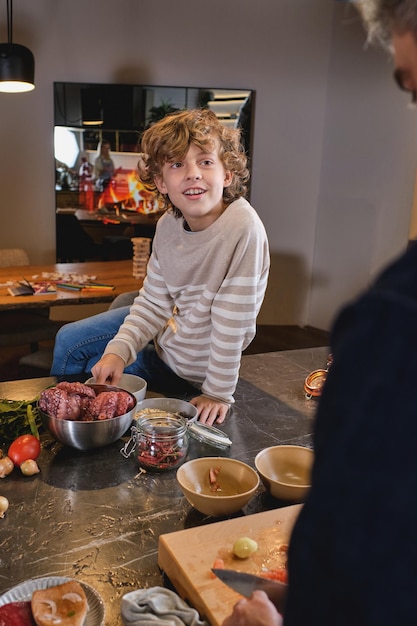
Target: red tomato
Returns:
[23, 448]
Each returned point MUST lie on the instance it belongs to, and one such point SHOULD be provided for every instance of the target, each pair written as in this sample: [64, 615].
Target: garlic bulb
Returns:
[29, 467]
[6, 466]
[4, 505]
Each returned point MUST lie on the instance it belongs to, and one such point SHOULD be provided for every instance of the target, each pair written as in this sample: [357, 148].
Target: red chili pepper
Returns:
[160, 455]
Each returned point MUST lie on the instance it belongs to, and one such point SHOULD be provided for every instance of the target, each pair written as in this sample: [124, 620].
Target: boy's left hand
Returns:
[209, 410]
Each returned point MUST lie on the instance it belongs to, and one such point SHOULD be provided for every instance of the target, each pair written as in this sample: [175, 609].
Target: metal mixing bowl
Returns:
[170, 405]
[87, 435]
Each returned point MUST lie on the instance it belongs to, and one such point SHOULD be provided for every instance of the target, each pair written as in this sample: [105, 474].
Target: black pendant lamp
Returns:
[17, 65]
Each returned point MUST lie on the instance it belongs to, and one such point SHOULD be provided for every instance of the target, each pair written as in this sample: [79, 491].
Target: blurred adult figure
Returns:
[352, 557]
[104, 169]
[85, 184]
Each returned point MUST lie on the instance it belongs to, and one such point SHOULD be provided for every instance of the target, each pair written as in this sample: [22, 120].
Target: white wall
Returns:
[330, 130]
[368, 168]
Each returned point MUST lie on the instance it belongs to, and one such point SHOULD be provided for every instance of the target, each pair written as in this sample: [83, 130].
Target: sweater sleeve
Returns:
[148, 315]
[234, 311]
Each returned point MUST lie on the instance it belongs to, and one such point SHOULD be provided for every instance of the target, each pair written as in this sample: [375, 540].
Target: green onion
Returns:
[18, 417]
[32, 421]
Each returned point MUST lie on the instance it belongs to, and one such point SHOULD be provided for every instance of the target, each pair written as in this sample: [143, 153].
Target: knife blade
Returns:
[246, 584]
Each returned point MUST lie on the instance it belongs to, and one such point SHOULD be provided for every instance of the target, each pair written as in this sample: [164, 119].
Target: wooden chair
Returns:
[13, 256]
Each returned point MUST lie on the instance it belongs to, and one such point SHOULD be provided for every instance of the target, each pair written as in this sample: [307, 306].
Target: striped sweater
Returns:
[200, 298]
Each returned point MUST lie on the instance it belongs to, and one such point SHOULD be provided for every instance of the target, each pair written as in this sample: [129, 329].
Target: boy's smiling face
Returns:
[195, 185]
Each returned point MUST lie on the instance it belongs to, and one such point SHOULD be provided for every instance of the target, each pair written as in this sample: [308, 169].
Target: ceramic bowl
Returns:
[236, 483]
[129, 382]
[87, 435]
[285, 471]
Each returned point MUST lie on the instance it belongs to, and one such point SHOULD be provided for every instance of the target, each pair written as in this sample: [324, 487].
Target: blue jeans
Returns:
[79, 345]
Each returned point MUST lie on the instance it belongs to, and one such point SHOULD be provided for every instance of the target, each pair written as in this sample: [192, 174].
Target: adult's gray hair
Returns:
[383, 17]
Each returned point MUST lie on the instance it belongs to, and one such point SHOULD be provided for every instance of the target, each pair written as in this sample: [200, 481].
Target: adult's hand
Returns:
[209, 410]
[258, 610]
[109, 370]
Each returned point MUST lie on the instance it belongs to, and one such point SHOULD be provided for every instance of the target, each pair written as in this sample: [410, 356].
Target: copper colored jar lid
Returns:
[314, 382]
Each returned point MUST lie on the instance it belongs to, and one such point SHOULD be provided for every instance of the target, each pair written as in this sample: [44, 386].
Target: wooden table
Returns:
[118, 217]
[116, 273]
[92, 516]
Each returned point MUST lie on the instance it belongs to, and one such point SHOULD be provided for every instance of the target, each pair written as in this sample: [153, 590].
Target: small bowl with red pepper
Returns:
[217, 486]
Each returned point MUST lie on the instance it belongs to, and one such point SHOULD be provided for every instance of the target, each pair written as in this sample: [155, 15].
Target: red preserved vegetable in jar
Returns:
[161, 441]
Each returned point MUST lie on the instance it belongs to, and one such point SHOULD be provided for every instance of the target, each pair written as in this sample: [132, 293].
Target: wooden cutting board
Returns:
[187, 556]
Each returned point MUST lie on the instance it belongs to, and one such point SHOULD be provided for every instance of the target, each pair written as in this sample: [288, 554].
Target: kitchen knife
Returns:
[246, 584]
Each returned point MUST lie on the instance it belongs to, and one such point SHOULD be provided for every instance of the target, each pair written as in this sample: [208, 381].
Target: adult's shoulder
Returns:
[400, 275]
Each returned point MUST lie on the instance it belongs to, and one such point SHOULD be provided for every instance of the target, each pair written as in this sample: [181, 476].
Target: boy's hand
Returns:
[257, 611]
[209, 410]
[109, 370]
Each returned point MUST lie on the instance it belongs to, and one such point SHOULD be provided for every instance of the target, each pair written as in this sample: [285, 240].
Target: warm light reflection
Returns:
[65, 146]
[125, 191]
[15, 86]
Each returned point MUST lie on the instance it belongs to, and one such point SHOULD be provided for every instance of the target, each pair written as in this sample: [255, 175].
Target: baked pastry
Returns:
[61, 605]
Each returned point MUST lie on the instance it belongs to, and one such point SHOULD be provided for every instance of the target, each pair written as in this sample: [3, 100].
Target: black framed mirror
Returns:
[100, 205]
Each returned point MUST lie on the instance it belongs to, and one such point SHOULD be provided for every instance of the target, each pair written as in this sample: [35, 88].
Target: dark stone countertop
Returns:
[93, 516]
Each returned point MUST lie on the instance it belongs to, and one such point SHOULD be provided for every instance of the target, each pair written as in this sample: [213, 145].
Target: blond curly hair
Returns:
[170, 139]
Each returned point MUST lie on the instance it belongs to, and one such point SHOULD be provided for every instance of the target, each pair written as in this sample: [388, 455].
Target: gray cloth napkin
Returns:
[157, 605]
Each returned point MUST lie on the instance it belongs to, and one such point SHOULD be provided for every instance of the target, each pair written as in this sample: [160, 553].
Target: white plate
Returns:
[23, 592]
